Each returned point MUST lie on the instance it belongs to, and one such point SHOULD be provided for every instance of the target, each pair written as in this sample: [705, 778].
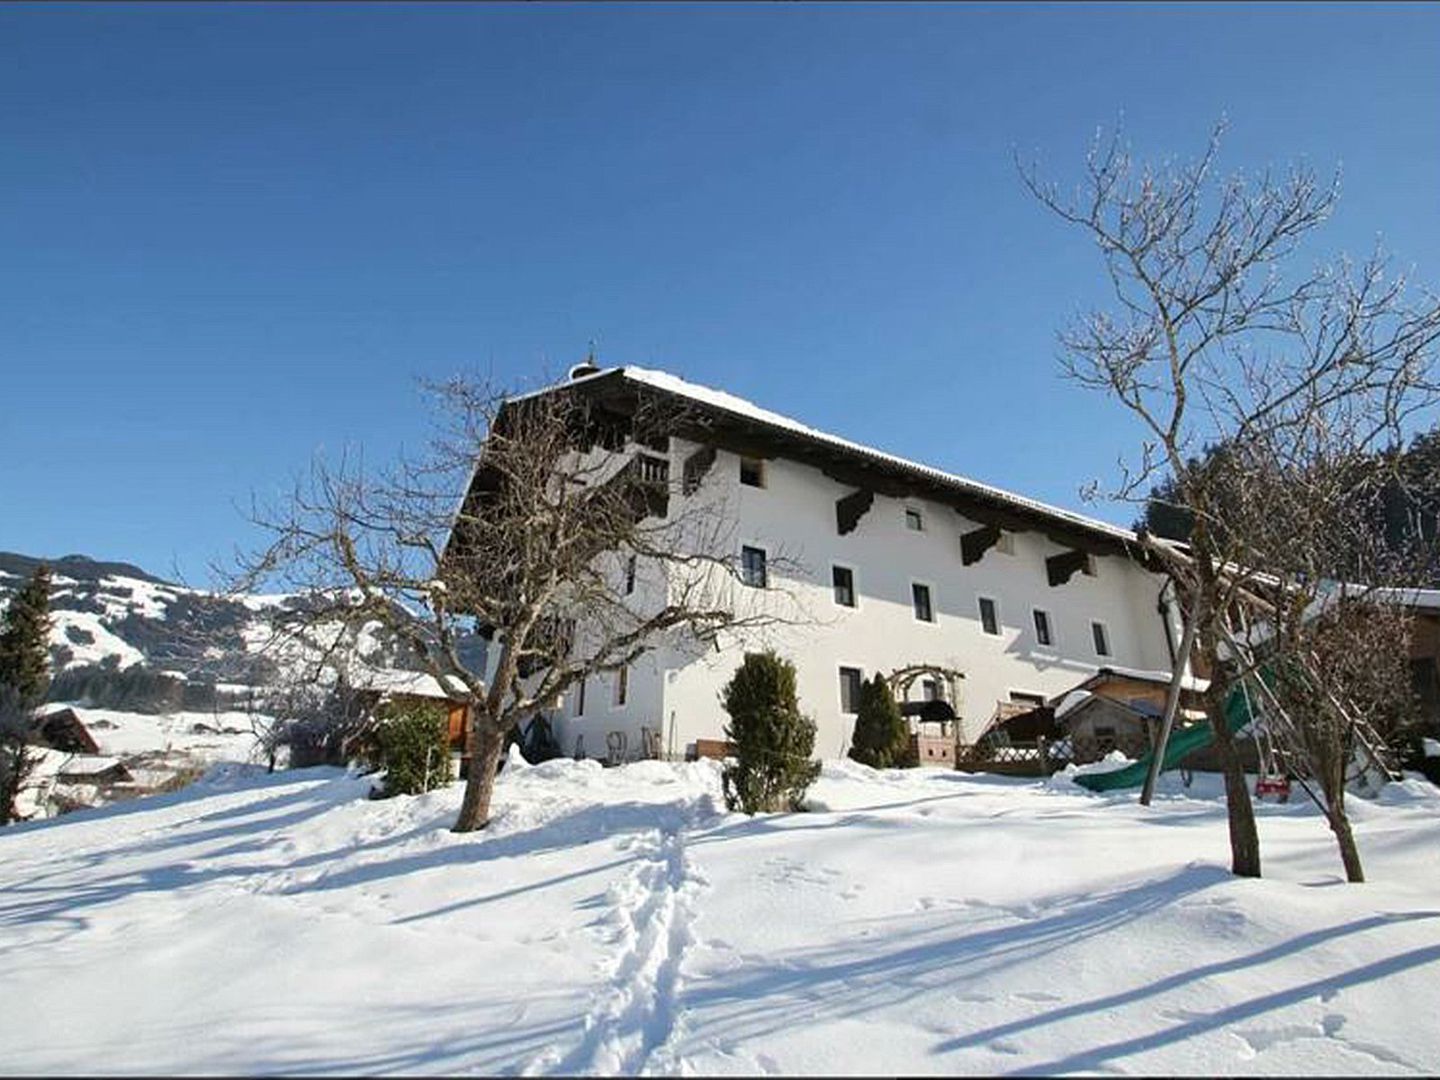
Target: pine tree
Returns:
[773, 739]
[25, 639]
[882, 738]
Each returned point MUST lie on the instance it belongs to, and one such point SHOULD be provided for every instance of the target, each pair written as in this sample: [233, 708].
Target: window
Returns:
[914, 520]
[580, 698]
[850, 690]
[1043, 635]
[843, 578]
[630, 575]
[989, 616]
[752, 472]
[622, 686]
[752, 567]
[1102, 638]
[920, 596]
[1024, 697]
[930, 689]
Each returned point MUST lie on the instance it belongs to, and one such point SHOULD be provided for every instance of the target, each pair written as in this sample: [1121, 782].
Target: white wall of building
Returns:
[793, 519]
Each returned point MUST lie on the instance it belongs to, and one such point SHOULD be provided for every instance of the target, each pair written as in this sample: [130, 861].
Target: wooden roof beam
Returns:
[849, 509]
[975, 543]
[1061, 568]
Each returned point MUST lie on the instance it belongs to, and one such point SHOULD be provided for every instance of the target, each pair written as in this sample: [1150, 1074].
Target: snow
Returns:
[98, 642]
[618, 921]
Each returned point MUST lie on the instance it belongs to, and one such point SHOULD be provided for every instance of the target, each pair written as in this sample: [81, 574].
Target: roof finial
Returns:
[588, 366]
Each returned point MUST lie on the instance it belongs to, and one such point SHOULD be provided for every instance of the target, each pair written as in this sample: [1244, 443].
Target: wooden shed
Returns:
[63, 729]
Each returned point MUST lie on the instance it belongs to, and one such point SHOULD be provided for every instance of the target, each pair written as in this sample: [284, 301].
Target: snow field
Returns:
[618, 921]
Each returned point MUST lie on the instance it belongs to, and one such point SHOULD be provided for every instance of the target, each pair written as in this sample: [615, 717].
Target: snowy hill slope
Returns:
[119, 615]
[616, 921]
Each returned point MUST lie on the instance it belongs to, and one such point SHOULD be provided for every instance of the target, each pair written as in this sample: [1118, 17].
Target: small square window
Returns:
[752, 567]
[843, 579]
[1102, 638]
[622, 686]
[1043, 634]
[752, 472]
[989, 616]
[914, 520]
[920, 597]
[850, 690]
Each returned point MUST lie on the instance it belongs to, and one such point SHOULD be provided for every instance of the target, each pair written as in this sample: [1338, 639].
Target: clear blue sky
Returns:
[233, 235]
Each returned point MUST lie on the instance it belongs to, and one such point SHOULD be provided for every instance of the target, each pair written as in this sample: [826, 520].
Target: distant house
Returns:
[1121, 709]
[94, 770]
[63, 729]
[379, 686]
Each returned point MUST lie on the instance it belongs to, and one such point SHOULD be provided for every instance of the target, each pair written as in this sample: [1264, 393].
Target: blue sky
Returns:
[232, 236]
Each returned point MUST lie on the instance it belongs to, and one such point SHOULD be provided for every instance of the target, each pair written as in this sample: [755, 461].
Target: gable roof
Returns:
[735, 423]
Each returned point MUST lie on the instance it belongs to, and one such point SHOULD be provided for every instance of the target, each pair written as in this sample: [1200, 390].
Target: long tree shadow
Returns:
[1099, 1057]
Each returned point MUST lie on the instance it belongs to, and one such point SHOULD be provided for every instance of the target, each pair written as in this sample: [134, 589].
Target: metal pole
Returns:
[1172, 705]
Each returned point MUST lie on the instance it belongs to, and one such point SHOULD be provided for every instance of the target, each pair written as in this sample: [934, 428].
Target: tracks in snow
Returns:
[635, 1014]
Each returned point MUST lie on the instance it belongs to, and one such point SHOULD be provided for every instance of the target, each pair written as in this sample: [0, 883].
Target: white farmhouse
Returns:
[893, 564]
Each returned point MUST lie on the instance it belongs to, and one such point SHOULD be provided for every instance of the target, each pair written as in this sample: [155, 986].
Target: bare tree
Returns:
[1215, 337]
[547, 522]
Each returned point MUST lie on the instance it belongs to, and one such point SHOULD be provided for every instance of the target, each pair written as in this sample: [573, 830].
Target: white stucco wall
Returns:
[793, 519]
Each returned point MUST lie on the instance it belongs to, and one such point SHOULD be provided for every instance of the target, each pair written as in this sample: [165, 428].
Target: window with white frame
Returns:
[752, 567]
[920, 600]
[1044, 632]
[1101, 638]
[850, 679]
[989, 616]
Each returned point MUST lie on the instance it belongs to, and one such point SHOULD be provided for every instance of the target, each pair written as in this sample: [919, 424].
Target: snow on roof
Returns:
[1071, 701]
[663, 380]
[418, 683]
[1425, 599]
[720, 399]
[1189, 682]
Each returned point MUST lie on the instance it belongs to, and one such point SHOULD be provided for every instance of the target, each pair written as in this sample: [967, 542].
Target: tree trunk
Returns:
[485, 747]
[1345, 838]
[1244, 836]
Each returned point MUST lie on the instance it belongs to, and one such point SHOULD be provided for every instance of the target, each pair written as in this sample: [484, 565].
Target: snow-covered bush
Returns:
[773, 740]
[411, 743]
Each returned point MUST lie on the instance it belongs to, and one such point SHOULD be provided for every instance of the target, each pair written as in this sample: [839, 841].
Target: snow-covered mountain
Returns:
[111, 617]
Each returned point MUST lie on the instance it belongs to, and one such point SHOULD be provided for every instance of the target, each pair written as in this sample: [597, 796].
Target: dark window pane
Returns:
[844, 582]
[1102, 640]
[989, 617]
[914, 521]
[752, 472]
[630, 575]
[849, 690]
[1042, 627]
[752, 567]
[921, 596]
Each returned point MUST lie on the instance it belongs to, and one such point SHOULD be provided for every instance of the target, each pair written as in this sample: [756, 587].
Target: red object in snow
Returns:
[1279, 786]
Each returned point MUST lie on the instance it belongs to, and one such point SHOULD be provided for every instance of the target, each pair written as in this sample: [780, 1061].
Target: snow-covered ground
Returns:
[618, 921]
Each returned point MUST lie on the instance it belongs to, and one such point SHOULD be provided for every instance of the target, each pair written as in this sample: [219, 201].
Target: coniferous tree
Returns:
[25, 639]
[773, 739]
[882, 738]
